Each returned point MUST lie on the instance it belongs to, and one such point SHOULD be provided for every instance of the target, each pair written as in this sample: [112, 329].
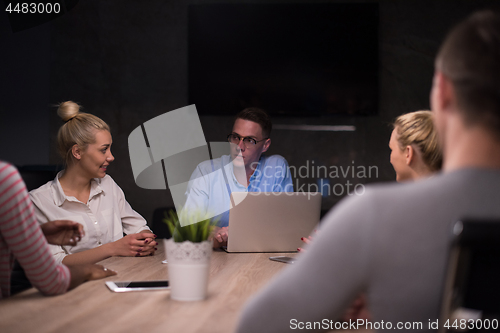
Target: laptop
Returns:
[272, 221]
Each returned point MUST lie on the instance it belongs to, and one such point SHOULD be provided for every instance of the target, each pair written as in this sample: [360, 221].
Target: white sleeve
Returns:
[132, 222]
[197, 193]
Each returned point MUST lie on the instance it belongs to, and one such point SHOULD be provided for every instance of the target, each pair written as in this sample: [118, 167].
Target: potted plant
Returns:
[188, 255]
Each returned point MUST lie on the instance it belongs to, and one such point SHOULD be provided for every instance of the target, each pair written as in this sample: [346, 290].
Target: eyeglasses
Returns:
[247, 141]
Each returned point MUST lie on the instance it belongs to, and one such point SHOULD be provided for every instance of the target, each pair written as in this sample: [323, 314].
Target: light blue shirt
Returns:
[213, 181]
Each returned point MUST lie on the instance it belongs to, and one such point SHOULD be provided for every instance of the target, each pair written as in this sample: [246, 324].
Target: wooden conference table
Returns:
[92, 307]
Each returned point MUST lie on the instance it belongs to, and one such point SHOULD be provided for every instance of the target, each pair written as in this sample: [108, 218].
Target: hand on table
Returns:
[135, 245]
[357, 310]
[86, 272]
[150, 245]
[306, 240]
[62, 232]
[220, 236]
[96, 272]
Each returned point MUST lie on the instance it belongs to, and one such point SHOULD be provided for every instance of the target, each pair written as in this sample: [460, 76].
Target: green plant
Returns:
[193, 232]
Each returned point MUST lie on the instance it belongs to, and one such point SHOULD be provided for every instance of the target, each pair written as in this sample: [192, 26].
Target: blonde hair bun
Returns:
[68, 110]
[79, 131]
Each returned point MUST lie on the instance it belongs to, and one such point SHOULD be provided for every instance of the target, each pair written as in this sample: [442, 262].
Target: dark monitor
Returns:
[301, 59]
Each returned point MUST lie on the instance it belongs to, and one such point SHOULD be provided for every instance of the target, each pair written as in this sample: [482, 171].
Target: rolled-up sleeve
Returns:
[132, 221]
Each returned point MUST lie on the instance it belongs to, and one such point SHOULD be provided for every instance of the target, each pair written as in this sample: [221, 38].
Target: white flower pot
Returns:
[188, 267]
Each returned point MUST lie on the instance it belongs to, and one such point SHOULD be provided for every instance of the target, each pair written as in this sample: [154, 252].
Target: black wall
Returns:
[126, 62]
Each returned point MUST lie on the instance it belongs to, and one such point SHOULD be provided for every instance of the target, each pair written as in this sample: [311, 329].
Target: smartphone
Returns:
[287, 260]
[124, 286]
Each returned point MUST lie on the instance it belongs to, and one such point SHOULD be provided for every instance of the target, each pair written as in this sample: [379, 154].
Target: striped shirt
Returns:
[21, 238]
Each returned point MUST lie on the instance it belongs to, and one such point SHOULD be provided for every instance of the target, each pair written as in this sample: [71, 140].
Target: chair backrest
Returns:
[159, 227]
[473, 275]
[35, 176]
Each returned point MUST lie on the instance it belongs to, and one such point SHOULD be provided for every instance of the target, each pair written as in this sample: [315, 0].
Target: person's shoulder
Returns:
[6, 166]
[209, 165]
[440, 180]
[394, 189]
[105, 180]
[8, 174]
[42, 190]
[364, 202]
[7, 169]
[274, 159]
[408, 193]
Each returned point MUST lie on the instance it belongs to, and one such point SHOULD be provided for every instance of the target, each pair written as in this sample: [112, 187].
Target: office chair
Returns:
[473, 277]
[159, 227]
[35, 176]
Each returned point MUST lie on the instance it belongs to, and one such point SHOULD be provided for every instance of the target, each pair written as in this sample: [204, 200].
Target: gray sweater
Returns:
[392, 242]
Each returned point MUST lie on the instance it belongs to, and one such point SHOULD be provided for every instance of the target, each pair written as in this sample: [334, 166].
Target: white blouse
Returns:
[105, 217]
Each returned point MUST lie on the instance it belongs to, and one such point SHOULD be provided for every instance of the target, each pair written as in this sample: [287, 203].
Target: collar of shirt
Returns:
[256, 172]
[59, 195]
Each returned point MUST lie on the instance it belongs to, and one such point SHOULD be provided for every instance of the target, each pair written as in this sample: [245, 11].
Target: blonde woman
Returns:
[415, 154]
[84, 193]
[415, 151]
[21, 238]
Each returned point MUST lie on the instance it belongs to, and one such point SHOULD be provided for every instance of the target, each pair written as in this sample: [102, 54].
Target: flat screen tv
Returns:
[297, 59]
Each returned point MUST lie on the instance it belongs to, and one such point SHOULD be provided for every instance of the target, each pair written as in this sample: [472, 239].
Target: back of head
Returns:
[417, 129]
[470, 59]
[258, 116]
[79, 128]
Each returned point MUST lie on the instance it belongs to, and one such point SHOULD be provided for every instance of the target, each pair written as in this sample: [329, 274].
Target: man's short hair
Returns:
[470, 59]
[258, 116]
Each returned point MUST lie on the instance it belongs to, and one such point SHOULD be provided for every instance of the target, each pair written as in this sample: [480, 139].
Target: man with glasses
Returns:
[245, 169]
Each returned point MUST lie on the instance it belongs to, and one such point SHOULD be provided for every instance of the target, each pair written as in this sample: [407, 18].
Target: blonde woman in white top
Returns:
[84, 193]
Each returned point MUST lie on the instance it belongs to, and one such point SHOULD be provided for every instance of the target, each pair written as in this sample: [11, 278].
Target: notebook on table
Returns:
[272, 221]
